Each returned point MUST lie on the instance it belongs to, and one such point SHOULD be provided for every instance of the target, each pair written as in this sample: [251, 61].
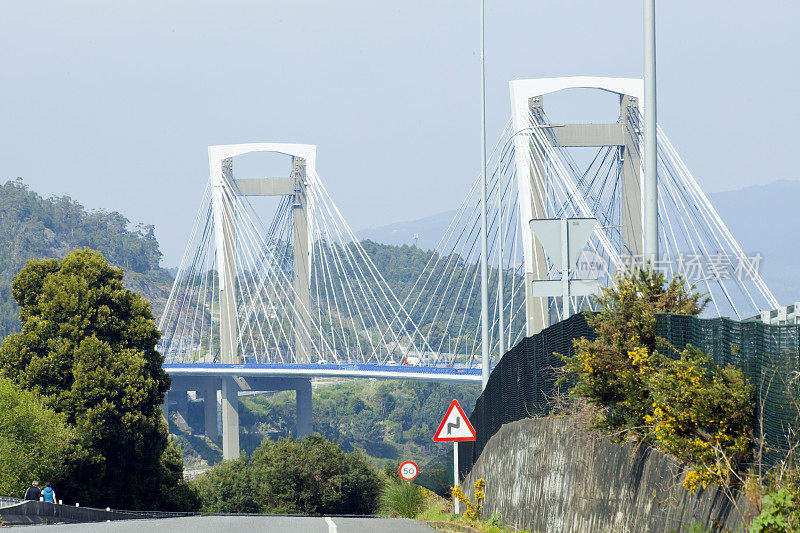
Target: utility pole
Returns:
[484, 246]
[650, 186]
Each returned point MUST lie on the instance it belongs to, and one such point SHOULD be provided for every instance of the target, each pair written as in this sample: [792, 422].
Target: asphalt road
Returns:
[241, 524]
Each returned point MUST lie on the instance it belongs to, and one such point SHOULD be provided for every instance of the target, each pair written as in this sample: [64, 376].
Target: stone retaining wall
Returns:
[550, 475]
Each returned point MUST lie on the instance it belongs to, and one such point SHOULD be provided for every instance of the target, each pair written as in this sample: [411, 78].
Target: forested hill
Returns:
[401, 267]
[32, 227]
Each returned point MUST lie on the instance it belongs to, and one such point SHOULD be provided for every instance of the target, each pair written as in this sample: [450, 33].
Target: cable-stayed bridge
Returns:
[268, 303]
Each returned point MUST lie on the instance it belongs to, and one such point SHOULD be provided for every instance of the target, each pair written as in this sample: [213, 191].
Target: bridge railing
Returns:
[5, 501]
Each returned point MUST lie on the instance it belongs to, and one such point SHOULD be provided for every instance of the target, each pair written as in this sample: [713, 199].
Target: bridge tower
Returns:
[527, 104]
[222, 180]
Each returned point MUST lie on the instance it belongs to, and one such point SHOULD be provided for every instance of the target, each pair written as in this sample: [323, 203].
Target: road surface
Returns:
[241, 524]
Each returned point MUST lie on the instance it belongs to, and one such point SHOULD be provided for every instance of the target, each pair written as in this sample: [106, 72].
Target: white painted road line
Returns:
[331, 525]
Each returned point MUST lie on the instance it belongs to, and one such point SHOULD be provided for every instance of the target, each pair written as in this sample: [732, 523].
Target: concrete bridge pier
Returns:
[229, 387]
[304, 410]
[180, 401]
[182, 404]
[210, 409]
[230, 418]
[230, 406]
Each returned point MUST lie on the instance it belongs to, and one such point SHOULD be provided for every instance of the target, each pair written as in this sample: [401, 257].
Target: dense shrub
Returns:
[780, 513]
[689, 407]
[612, 371]
[306, 476]
[228, 488]
[702, 414]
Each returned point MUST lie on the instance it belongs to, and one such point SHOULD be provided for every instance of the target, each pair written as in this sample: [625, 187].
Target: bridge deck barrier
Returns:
[21, 512]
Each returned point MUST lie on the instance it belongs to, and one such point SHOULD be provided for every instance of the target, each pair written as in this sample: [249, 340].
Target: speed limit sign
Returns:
[408, 470]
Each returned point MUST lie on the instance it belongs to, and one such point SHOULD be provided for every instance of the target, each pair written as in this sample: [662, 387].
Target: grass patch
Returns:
[402, 498]
[437, 509]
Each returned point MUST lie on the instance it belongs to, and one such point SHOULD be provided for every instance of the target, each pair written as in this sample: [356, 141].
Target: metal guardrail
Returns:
[6, 501]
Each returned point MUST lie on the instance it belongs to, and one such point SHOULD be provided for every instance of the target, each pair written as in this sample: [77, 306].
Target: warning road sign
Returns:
[455, 426]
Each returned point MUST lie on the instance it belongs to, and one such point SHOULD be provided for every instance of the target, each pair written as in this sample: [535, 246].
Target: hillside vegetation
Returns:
[385, 419]
[388, 421]
[402, 266]
[33, 227]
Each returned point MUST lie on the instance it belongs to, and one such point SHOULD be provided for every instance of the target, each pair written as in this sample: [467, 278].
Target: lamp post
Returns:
[650, 188]
[484, 246]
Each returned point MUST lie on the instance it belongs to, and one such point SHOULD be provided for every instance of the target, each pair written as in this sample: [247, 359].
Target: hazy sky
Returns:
[115, 102]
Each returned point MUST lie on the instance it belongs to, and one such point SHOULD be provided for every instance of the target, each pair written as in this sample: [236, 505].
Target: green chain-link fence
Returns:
[768, 356]
[522, 384]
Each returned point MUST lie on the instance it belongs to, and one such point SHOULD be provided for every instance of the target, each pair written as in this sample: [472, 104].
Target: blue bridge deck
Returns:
[334, 370]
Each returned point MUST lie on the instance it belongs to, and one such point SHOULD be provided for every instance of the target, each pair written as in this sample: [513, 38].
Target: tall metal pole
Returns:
[650, 189]
[484, 247]
[501, 326]
[565, 269]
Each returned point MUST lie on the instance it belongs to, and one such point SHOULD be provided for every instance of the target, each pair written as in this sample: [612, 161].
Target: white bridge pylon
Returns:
[534, 161]
[299, 289]
[535, 173]
[694, 241]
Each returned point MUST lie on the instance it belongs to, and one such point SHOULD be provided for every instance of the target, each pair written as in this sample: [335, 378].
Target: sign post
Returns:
[456, 506]
[455, 427]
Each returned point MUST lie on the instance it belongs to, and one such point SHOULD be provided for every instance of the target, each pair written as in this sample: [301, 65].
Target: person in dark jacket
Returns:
[48, 493]
[33, 492]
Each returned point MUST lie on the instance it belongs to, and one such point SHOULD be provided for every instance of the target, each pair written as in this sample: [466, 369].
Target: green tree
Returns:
[34, 440]
[87, 346]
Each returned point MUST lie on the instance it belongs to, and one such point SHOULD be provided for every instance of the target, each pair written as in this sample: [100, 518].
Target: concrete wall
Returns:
[550, 475]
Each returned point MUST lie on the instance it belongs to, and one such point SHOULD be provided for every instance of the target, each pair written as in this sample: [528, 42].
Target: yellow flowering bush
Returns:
[472, 511]
[702, 415]
[689, 407]
[613, 370]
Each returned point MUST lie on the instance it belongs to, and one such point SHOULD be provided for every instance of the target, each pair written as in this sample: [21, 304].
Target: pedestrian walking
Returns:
[48, 493]
[33, 492]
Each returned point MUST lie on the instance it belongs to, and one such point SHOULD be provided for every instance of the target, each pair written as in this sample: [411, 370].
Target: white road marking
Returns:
[331, 525]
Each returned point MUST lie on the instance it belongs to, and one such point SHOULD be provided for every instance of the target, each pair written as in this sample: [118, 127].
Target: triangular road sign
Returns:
[455, 426]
